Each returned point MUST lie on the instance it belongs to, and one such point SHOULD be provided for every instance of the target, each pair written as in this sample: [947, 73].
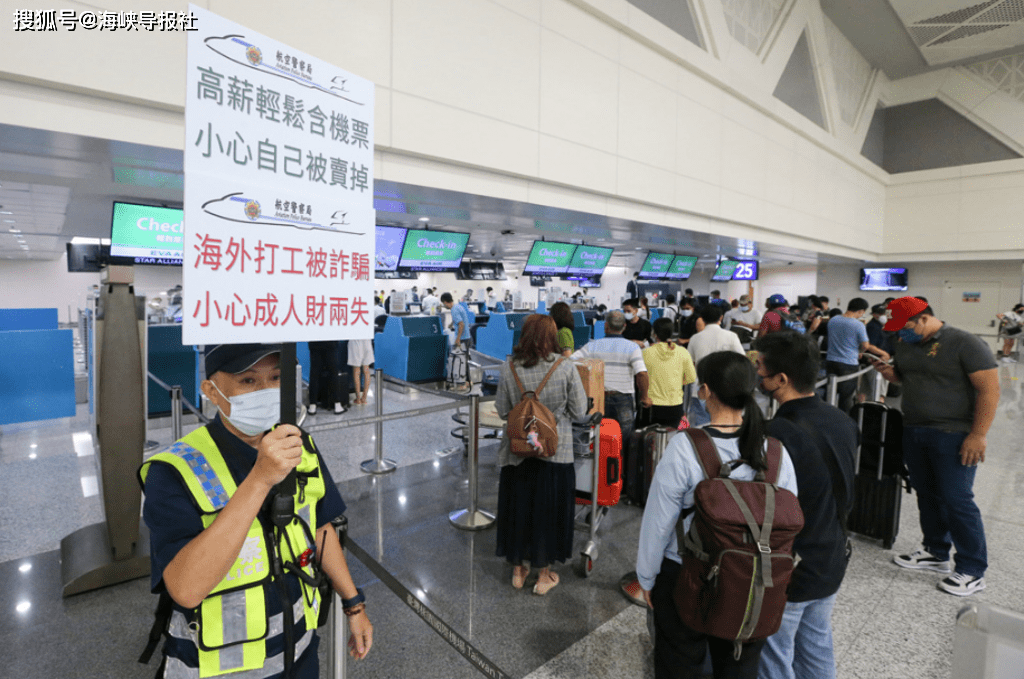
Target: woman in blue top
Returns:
[727, 381]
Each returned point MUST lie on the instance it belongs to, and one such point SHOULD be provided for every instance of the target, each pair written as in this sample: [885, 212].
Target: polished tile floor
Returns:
[888, 622]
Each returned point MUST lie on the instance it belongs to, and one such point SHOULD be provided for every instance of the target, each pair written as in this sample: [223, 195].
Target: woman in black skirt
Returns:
[536, 496]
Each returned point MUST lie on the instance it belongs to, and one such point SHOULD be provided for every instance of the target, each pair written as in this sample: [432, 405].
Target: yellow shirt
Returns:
[669, 369]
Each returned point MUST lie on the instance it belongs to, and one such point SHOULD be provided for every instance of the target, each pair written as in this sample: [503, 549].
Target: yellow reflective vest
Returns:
[230, 626]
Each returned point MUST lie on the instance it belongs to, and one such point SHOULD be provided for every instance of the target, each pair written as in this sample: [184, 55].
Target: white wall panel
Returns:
[433, 129]
[579, 94]
[645, 183]
[469, 54]
[583, 28]
[698, 141]
[927, 279]
[693, 195]
[647, 121]
[974, 209]
[569, 163]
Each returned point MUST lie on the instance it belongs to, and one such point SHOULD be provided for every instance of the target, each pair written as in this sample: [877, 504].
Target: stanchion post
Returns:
[176, 425]
[833, 390]
[879, 387]
[473, 518]
[337, 621]
[378, 465]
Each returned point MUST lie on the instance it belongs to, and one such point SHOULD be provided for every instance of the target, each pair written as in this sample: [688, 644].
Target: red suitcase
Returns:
[610, 476]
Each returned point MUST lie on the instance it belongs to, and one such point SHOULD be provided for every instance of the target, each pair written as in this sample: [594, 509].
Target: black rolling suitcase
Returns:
[643, 453]
[880, 473]
[333, 389]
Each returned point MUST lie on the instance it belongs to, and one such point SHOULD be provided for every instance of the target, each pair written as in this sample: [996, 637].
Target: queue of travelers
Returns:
[803, 457]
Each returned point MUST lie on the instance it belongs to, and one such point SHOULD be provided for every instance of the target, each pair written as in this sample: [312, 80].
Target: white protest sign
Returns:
[279, 237]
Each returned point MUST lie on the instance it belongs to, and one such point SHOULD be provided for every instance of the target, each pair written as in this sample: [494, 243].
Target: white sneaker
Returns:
[961, 584]
[1008, 359]
[311, 410]
[921, 560]
[339, 409]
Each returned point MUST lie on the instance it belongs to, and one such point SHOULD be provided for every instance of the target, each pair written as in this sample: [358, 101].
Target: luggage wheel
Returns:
[585, 563]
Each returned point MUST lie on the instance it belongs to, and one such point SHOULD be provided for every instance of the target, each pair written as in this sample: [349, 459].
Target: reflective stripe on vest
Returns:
[232, 620]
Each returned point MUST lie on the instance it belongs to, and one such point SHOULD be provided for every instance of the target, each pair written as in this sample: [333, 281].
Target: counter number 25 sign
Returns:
[745, 271]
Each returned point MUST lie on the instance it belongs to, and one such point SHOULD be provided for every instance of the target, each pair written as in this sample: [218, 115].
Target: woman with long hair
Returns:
[727, 381]
[562, 315]
[537, 496]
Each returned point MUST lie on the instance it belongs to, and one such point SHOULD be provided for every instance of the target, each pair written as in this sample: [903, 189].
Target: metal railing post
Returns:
[176, 425]
[833, 390]
[378, 465]
[337, 621]
[879, 387]
[472, 518]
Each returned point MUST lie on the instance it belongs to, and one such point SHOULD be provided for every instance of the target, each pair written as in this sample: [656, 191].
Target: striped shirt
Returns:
[623, 360]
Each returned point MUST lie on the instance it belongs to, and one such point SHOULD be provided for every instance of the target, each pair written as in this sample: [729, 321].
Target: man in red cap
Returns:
[950, 393]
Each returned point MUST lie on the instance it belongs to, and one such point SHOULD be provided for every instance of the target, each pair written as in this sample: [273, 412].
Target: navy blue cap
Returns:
[236, 358]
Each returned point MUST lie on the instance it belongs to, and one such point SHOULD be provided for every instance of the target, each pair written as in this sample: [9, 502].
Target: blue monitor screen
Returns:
[389, 242]
[884, 279]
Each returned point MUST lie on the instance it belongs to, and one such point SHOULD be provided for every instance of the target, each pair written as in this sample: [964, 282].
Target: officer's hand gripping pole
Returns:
[283, 506]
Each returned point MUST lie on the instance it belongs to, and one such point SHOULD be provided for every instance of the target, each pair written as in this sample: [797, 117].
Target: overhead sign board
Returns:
[278, 192]
[549, 258]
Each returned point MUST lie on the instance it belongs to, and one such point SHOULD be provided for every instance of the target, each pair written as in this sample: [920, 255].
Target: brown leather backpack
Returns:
[738, 553]
[532, 427]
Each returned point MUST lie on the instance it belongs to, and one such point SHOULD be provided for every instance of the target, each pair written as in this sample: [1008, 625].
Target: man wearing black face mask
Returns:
[950, 393]
[212, 539]
[822, 443]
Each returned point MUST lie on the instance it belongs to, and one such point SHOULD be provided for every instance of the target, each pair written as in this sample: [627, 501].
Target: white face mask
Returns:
[686, 313]
[255, 412]
[745, 309]
[629, 316]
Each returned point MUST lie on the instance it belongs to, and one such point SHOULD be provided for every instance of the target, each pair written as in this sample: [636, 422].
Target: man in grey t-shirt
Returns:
[950, 393]
[847, 340]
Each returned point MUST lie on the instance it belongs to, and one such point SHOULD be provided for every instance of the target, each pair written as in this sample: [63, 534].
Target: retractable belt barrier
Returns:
[184, 401]
[389, 417]
[467, 650]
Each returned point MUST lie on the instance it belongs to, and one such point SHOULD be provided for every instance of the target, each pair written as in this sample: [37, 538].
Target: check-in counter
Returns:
[37, 379]
[501, 333]
[580, 331]
[173, 363]
[412, 348]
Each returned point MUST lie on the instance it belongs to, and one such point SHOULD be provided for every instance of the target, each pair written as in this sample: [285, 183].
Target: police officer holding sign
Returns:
[245, 592]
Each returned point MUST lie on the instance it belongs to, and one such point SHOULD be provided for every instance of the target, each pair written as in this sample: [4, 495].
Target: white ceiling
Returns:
[908, 37]
[59, 186]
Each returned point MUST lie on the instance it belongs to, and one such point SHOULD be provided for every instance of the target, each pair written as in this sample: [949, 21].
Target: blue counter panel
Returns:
[171, 362]
[412, 348]
[28, 319]
[501, 333]
[37, 375]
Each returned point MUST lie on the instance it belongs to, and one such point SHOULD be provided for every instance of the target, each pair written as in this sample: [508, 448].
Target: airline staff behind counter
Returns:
[213, 543]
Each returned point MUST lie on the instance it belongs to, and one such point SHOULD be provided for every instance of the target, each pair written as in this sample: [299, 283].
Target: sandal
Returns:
[519, 574]
[542, 588]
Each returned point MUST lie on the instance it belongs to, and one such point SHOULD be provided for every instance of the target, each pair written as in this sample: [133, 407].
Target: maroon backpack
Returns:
[738, 553]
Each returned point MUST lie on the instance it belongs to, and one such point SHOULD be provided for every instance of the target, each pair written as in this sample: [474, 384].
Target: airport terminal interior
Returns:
[867, 149]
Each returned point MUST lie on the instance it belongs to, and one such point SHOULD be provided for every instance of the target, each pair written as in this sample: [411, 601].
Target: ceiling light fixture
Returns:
[6, 212]
[424, 219]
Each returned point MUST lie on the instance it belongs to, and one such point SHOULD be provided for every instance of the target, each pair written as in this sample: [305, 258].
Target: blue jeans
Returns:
[619, 406]
[699, 415]
[802, 648]
[945, 497]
